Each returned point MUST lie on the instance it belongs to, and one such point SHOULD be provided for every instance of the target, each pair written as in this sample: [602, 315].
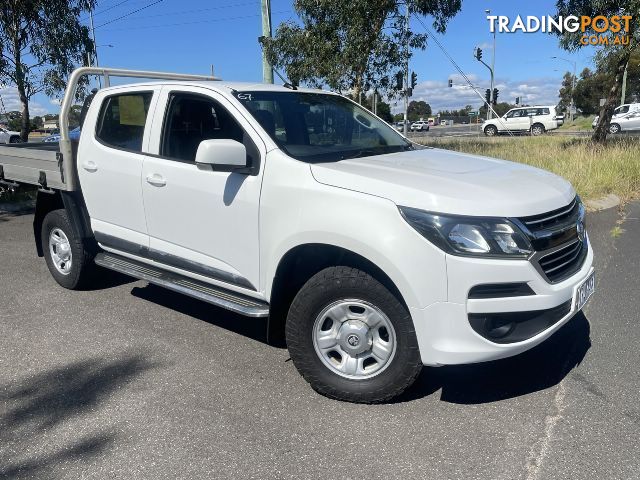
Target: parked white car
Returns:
[371, 254]
[536, 120]
[617, 113]
[420, 126]
[8, 136]
[625, 123]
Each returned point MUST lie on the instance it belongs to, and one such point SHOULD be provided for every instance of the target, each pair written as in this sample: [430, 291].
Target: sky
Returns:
[191, 35]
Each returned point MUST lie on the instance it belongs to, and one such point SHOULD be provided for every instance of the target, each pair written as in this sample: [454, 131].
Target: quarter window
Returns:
[122, 120]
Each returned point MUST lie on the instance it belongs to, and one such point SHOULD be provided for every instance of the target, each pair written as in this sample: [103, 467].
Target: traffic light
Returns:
[487, 95]
[399, 80]
[414, 79]
[517, 100]
[478, 54]
[495, 96]
[450, 83]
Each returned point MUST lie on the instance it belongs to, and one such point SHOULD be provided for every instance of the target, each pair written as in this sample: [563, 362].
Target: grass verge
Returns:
[594, 170]
[578, 124]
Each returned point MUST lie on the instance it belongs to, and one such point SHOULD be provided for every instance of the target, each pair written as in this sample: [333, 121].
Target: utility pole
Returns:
[493, 66]
[267, 71]
[624, 84]
[95, 48]
[406, 71]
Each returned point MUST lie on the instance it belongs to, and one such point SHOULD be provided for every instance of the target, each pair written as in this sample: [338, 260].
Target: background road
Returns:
[131, 381]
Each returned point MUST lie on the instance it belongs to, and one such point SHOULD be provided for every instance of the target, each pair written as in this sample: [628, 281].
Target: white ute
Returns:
[372, 256]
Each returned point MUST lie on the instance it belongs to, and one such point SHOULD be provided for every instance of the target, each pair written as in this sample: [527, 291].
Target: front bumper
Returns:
[444, 332]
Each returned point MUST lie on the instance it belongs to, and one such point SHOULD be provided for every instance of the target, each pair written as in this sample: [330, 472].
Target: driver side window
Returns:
[192, 118]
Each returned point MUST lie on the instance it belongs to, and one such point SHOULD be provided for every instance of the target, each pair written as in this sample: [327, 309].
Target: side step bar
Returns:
[217, 296]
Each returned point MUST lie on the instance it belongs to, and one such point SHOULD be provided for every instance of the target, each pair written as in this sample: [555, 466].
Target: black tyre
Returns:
[351, 338]
[490, 131]
[15, 139]
[537, 129]
[68, 261]
[614, 128]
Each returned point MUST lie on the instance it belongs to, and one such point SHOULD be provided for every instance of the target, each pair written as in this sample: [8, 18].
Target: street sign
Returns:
[472, 113]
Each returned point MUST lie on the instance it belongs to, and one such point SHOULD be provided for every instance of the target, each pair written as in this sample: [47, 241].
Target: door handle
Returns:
[90, 166]
[156, 180]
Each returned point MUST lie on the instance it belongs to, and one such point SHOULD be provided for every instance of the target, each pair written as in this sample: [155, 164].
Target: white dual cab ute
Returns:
[535, 120]
[372, 255]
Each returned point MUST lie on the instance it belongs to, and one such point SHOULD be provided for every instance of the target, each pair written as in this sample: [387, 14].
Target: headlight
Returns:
[470, 236]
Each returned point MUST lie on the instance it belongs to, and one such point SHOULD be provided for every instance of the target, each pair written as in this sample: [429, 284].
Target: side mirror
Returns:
[223, 155]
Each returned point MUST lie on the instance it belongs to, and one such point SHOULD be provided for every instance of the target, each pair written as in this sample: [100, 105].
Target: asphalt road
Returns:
[130, 381]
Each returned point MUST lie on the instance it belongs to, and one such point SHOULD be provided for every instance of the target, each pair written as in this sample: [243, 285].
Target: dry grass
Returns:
[594, 170]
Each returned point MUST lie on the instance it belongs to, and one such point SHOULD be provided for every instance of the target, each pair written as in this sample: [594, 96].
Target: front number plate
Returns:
[584, 291]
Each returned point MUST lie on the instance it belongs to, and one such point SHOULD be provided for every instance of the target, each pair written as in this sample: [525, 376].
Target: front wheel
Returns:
[614, 128]
[490, 131]
[351, 338]
[67, 259]
[15, 139]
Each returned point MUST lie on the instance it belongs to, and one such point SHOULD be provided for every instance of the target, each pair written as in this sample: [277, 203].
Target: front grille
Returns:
[564, 262]
[555, 219]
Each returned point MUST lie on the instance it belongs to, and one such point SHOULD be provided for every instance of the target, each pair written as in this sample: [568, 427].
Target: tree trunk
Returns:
[606, 111]
[25, 120]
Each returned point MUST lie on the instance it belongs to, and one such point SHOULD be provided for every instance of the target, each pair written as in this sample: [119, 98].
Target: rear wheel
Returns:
[15, 139]
[351, 338]
[490, 131]
[614, 128]
[67, 259]
[537, 129]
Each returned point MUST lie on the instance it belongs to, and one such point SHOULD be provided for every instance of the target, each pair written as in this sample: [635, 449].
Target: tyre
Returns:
[15, 139]
[68, 261]
[537, 129]
[490, 131]
[614, 128]
[351, 338]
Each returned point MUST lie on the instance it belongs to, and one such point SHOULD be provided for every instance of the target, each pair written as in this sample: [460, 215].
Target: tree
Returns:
[500, 108]
[618, 56]
[41, 41]
[417, 109]
[566, 91]
[352, 46]
[383, 109]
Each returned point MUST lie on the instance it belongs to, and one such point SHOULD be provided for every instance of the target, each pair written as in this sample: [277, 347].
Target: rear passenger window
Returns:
[122, 119]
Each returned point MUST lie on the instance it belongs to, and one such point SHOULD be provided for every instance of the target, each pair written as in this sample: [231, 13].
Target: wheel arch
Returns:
[303, 261]
[73, 204]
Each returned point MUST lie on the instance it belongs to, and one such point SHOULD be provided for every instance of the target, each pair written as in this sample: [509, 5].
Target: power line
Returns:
[184, 12]
[130, 13]
[460, 71]
[139, 27]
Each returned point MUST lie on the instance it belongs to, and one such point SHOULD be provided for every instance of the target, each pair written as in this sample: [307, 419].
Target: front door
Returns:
[199, 220]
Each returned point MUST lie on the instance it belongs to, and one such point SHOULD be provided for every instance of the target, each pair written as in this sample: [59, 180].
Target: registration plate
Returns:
[584, 291]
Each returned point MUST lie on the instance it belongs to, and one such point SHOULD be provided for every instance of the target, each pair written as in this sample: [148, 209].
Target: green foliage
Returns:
[41, 42]
[500, 108]
[418, 109]
[565, 91]
[616, 57]
[356, 45]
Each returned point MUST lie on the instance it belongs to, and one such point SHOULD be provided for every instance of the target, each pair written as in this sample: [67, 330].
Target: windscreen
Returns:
[316, 127]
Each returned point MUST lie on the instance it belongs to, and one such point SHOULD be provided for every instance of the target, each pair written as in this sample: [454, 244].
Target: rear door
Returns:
[110, 158]
[201, 221]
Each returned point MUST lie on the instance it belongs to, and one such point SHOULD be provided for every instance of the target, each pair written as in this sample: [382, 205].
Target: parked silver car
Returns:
[625, 123]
